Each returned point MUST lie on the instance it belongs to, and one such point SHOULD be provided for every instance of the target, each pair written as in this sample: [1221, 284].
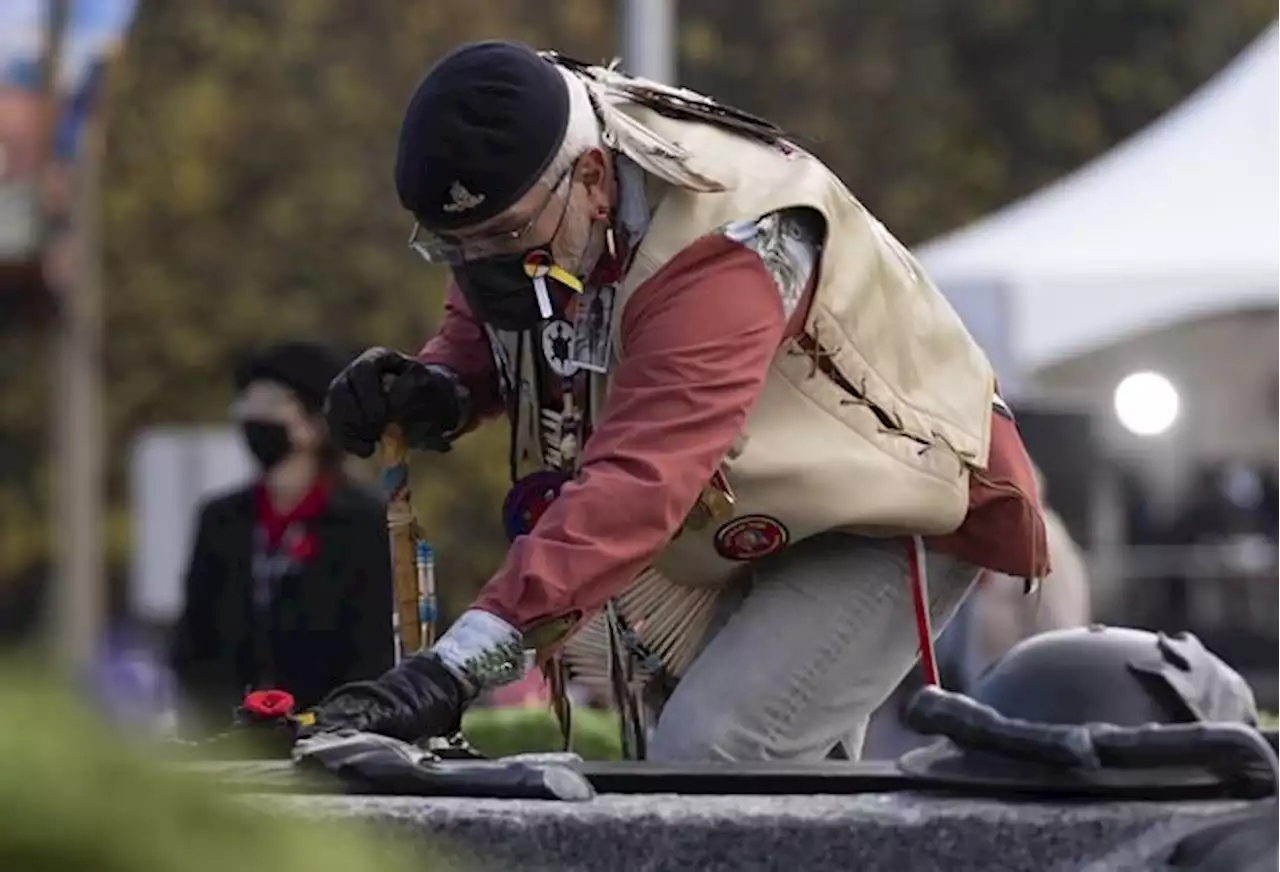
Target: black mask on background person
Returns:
[268, 442]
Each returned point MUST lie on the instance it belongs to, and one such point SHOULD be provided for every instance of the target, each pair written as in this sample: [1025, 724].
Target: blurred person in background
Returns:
[289, 582]
[1226, 582]
[999, 614]
[1003, 615]
[131, 685]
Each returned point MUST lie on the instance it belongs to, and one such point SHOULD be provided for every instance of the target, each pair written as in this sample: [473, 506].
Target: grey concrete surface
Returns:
[655, 833]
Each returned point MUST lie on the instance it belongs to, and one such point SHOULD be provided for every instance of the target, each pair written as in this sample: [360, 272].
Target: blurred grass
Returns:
[75, 797]
[499, 732]
[504, 731]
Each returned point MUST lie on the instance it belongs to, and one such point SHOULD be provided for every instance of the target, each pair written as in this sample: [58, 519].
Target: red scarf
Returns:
[274, 523]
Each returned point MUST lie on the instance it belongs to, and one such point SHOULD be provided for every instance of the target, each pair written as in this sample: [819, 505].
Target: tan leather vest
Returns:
[880, 439]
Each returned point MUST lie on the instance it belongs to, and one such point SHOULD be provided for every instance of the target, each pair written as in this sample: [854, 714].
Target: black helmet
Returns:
[1115, 675]
[1097, 709]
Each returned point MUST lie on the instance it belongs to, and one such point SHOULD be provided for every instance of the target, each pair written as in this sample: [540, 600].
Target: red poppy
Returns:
[268, 703]
[303, 548]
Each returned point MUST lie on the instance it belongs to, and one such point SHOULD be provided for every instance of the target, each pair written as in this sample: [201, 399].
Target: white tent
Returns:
[1181, 220]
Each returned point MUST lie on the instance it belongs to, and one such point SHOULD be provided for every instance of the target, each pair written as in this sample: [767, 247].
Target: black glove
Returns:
[382, 387]
[417, 699]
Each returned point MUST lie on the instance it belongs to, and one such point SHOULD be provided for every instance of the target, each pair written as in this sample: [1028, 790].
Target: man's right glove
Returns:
[419, 698]
[383, 387]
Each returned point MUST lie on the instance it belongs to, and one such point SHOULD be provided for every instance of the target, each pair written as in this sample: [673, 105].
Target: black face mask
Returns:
[501, 293]
[268, 443]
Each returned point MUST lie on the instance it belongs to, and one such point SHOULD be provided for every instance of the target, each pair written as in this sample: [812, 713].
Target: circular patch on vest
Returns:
[557, 347]
[751, 537]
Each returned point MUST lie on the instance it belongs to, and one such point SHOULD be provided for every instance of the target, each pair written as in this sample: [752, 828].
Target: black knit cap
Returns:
[305, 368]
[481, 129]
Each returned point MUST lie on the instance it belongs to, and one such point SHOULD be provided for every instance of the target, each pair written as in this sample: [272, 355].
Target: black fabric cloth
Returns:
[330, 619]
[306, 368]
[485, 122]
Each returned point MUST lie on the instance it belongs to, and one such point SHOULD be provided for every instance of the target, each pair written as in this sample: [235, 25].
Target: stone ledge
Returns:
[901, 831]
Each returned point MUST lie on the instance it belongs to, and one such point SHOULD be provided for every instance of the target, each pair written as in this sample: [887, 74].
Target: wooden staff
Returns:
[412, 563]
[413, 617]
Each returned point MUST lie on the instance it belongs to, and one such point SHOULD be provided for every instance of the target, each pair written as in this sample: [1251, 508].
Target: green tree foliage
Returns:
[249, 193]
[938, 111]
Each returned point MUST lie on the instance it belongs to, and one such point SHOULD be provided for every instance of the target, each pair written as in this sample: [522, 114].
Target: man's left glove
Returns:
[382, 387]
[419, 698]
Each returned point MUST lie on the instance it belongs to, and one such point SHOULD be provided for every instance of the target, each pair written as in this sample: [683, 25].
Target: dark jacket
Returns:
[330, 622]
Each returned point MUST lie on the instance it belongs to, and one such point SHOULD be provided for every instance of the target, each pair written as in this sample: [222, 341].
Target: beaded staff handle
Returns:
[412, 562]
[413, 616]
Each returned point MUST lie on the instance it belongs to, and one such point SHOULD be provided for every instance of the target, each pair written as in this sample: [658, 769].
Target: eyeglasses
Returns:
[439, 248]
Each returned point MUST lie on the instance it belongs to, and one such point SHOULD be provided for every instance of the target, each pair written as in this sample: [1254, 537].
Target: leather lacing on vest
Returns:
[822, 361]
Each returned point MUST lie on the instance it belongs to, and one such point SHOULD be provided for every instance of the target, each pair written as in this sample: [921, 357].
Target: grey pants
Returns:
[959, 662]
[810, 643]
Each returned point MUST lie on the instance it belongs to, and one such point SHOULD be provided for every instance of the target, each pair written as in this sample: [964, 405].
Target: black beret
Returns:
[481, 129]
[305, 368]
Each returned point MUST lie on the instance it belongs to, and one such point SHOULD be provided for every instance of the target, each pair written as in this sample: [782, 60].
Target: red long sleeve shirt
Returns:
[696, 343]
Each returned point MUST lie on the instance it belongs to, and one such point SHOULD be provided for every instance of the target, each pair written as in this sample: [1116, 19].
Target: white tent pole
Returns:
[648, 39]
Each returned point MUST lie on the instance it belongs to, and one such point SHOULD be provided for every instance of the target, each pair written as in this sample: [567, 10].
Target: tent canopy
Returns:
[1179, 221]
